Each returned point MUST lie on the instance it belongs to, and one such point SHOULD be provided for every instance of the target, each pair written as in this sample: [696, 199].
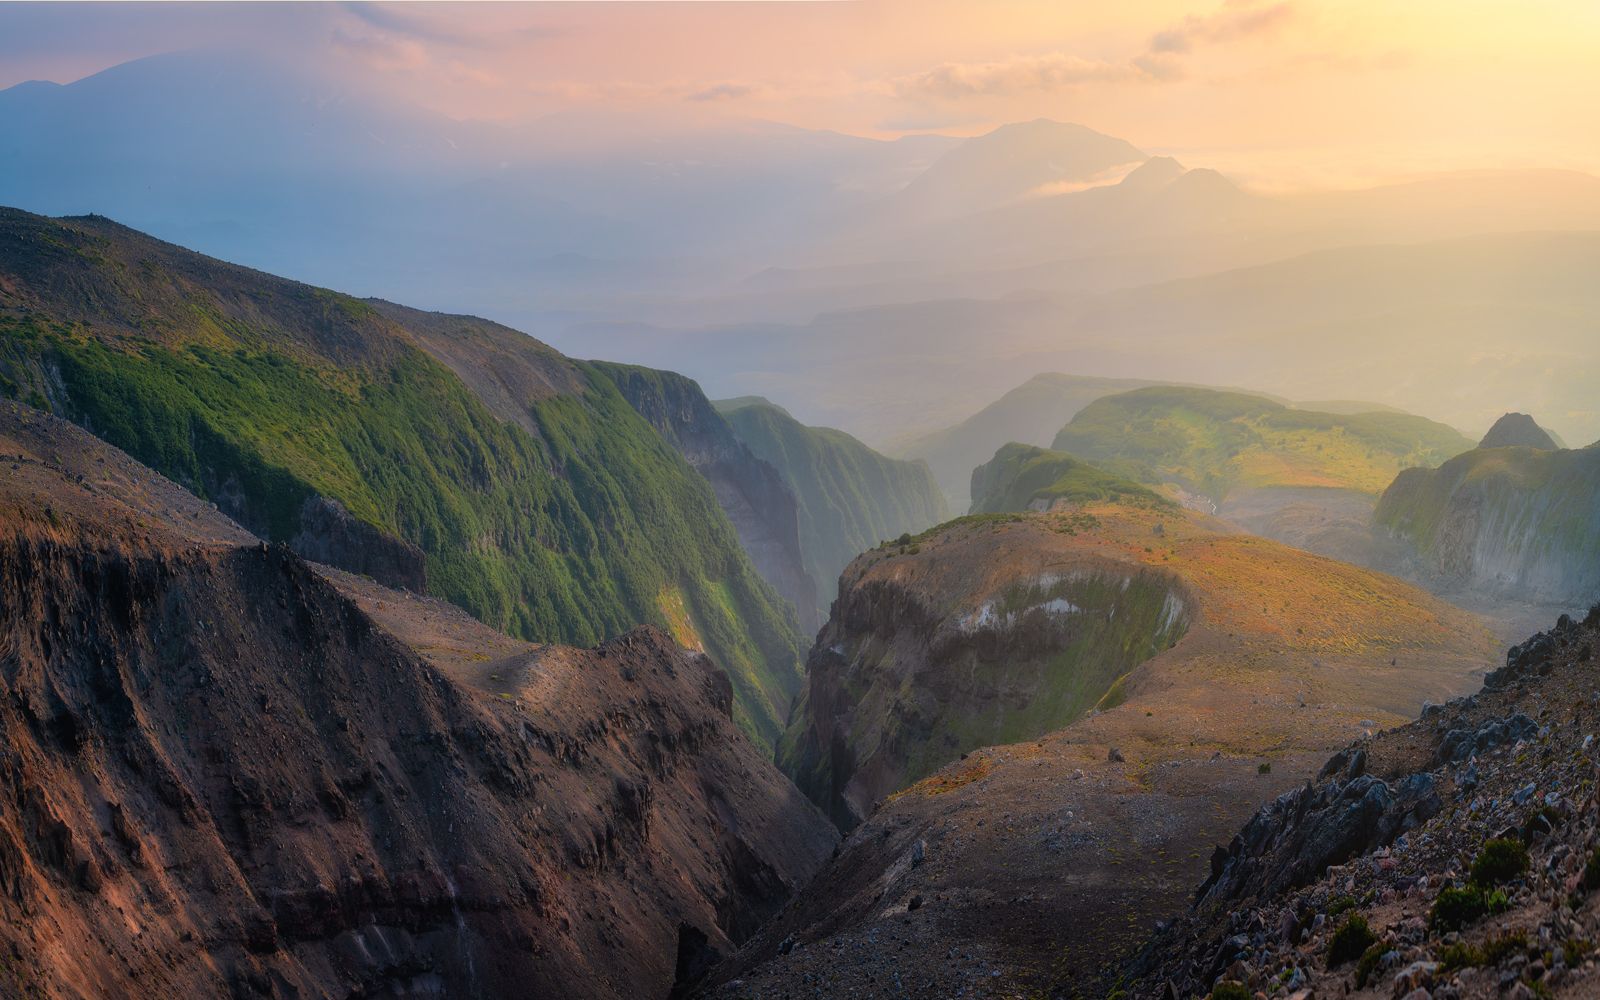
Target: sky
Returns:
[1280, 92]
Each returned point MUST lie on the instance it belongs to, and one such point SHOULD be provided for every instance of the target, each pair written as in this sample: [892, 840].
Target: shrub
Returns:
[1500, 860]
[1351, 939]
[1265, 768]
[1574, 951]
[1230, 990]
[1369, 963]
[1591, 871]
[1456, 908]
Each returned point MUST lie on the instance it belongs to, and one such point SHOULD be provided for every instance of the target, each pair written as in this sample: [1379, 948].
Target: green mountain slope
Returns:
[540, 500]
[753, 494]
[1517, 521]
[1021, 477]
[1213, 442]
[1031, 413]
[851, 498]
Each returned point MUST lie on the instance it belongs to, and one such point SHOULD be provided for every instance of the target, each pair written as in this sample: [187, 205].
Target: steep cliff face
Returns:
[914, 669]
[1520, 523]
[851, 498]
[540, 501]
[231, 773]
[750, 491]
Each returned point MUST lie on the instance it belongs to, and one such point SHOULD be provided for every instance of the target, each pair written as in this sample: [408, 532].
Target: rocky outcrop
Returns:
[1518, 430]
[226, 775]
[750, 491]
[1516, 523]
[916, 667]
[1458, 855]
[328, 534]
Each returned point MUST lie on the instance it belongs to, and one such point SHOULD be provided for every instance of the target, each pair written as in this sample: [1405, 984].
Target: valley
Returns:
[749, 501]
[441, 801]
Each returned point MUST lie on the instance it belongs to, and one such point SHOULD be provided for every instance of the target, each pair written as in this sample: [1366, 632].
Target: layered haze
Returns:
[888, 236]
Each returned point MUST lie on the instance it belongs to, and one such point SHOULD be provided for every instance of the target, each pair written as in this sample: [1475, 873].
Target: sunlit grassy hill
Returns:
[1214, 442]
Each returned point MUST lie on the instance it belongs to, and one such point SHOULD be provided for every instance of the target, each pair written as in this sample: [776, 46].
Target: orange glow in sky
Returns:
[1282, 92]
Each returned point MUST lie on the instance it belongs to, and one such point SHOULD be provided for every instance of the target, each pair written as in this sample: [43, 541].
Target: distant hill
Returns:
[423, 449]
[1030, 414]
[1517, 522]
[850, 497]
[1022, 477]
[1211, 442]
[1517, 430]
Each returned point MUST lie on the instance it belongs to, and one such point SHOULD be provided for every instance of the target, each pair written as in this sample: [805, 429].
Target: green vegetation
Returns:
[1351, 939]
[570, 526]
[1021, 476]
[850, 497]
[1369, 963]
[1499, 861]
[1455, 908]
[1030, 413]
[1492, 951]
[1214, 442]
[1230, 990]
[1591, 871]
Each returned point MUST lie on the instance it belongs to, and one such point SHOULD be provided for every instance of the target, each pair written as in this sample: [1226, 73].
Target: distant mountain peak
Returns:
[1156, 172]
[1013, 161]
[1517, 430]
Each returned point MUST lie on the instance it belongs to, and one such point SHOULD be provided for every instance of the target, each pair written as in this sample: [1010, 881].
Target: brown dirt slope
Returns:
[1395, 836]
[1031, 869]
[224, 771]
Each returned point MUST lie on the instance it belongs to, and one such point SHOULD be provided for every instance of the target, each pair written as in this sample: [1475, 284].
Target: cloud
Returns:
[1161, 62]
[1233, 20]
[380, 51]
[1050, 71]
[724, 92]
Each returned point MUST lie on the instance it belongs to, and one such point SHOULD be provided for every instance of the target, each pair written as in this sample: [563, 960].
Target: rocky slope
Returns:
[752, 493]
[416, 447]
[1518, 522]
[1031, 868]
[1457, 856]
[851, 497]
[229, 772]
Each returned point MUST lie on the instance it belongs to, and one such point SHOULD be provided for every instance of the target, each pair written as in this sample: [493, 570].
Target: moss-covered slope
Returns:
[1213, 442]
[1515, 522]
[851, 497]
[753, 494]
[542, 502]
[1022, 477]
[1030, 413]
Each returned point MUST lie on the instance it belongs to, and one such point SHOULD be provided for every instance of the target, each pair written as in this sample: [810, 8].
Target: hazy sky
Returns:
[1282, 91]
